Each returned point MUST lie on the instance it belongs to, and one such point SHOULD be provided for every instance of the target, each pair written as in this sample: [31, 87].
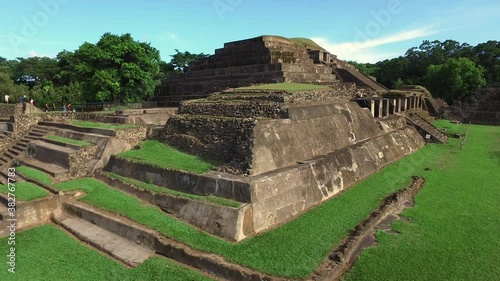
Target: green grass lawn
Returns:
[25, 191]
[285, 87]
[306, 42]
[454, 232]
[295, 249]
[48, 253]
[34, 174]
[161, 155]
[69, 141]
[163, 190]
[86, 124]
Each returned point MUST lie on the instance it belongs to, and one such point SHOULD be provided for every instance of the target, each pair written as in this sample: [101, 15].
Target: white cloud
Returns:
[365, 50]
[33, 53]
[172, 36]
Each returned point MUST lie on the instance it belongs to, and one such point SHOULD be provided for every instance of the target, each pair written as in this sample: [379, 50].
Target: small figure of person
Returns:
[6, 97]
[53, 106]
[70, 108]
[46, 107]
[64, 107]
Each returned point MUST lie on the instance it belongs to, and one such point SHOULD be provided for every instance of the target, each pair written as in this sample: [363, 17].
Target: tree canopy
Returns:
[116, 68]
[454, 78]
[421, 65]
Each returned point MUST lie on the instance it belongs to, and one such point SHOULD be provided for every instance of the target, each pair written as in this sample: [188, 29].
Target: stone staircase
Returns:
[425, 126]
[20, 146]
[105, 234]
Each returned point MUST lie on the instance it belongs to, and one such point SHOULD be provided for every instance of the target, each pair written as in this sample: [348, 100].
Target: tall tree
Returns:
[454, 78]
[117, 68]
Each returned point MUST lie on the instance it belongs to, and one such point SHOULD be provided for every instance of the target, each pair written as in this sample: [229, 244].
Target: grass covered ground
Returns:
[307, 42]
[285, 87]
[48, 253]
[163, 190]
[34, 174]
[293, 250]
[69, 141]
[161, 155]
[25, 191]
[455, 225]
[86, 124]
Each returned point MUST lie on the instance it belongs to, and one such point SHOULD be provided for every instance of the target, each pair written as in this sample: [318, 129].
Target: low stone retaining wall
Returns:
[281, 195]
[213, 183]
[34, 213]
[150, 239]
[6, 110]
[230, 223]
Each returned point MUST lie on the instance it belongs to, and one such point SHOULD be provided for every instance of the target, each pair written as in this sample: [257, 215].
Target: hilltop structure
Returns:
[262, 60]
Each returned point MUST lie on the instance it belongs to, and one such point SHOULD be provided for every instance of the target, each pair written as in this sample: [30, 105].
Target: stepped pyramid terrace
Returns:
[280, 162]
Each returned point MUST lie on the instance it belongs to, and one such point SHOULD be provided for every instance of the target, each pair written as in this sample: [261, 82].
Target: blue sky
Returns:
[366, 31]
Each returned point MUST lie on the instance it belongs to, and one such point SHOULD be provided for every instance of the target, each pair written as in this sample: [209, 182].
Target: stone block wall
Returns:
[281, 196]
[81, 162]
[480, 107]
[7, 110]
[311, 131]
[226, 140]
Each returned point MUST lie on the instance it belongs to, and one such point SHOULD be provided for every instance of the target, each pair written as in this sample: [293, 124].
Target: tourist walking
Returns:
[6, 97]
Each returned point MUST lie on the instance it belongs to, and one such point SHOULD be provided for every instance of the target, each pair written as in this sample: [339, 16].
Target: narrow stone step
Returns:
[21, 146]
[35, 134]
[14, 151]
[40, 131]
[8, 155]
[51, 169]
[3, 180]
[31, 138]
[116, 246]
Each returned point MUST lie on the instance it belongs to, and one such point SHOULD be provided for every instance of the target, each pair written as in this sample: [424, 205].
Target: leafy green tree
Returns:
[366, 68]
[182, 60]
[454, 78]
[117, 68]
[398, 84]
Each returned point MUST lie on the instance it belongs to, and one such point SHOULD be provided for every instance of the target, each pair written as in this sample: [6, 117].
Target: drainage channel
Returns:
[344, 256]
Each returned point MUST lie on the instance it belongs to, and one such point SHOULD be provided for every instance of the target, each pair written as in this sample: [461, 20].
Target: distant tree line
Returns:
[448, 69]
[115, 69]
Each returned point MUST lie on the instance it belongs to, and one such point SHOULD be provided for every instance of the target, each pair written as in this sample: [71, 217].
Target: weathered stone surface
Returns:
[32, 213]
[282, 195]
[480, 107]
[228, 140]
[391, 123]
[212, 183]
[311, 131]
[264, 59]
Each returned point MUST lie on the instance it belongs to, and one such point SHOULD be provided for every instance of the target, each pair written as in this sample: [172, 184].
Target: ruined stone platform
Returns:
[260, 60]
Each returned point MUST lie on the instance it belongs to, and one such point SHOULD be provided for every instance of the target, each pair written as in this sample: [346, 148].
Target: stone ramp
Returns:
[423, 125]
[122, 249]
[349, 74]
